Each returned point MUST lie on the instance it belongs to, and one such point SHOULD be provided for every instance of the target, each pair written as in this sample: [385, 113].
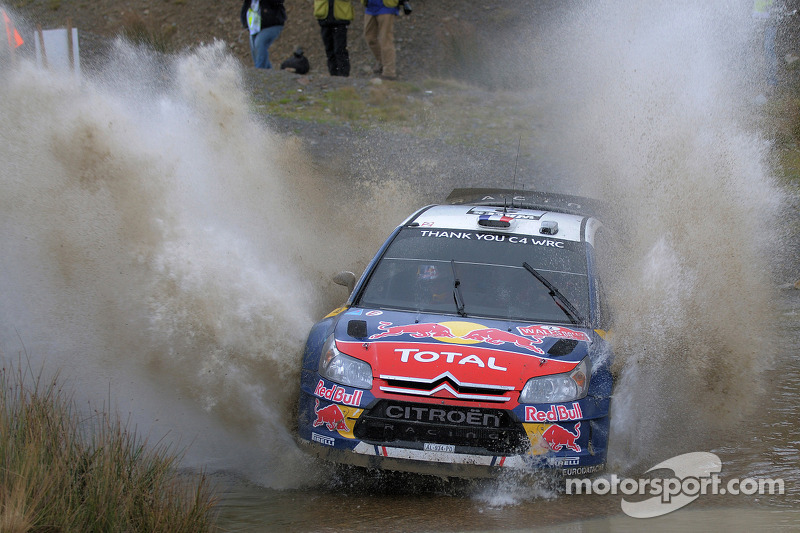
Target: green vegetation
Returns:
[431, 108]
[62, 472]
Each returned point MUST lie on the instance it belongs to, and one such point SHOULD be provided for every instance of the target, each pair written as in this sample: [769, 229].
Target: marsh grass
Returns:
[62, 472]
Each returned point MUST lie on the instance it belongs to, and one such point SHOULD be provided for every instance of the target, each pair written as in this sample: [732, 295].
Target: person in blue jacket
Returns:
[379, 18]
[264, 19]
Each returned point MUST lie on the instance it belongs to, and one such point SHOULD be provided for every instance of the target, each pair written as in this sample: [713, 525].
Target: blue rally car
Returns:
[473, 342]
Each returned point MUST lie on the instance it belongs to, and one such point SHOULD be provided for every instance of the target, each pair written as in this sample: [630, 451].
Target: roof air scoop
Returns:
[549, 227]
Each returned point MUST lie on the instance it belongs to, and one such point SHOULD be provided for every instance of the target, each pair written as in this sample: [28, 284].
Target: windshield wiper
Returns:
[457, 290]
[561, 301]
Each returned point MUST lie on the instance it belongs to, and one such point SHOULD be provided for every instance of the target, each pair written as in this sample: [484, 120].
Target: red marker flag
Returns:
[14, 38]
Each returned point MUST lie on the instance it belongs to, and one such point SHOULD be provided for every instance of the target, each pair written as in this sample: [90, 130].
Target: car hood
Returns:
[426, 348]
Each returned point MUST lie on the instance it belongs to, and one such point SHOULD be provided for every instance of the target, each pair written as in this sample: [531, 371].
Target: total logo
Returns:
[449, 357]
[473, 333]
[556, 413]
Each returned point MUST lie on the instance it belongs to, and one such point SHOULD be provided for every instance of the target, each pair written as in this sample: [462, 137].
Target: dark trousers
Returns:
[334, 37]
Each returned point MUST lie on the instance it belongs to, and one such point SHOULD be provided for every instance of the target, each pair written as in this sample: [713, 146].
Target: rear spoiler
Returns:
[542, 201]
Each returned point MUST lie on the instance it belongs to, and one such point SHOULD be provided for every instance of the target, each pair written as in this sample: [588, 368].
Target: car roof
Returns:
[560, 217]
[540, 200]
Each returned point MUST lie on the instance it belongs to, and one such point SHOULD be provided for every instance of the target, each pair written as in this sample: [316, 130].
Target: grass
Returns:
[431, 108]
[357, 106]
[62, 472]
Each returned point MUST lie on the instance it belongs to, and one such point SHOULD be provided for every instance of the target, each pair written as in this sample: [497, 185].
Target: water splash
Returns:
[149, 251]
[512, 489]
[169, 252]
[650, 107]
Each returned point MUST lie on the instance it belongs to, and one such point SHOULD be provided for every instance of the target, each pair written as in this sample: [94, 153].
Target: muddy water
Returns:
[148, 251]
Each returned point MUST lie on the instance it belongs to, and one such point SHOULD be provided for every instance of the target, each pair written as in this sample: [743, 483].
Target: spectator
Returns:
[379, 33]
[334, 16]
[265, 20]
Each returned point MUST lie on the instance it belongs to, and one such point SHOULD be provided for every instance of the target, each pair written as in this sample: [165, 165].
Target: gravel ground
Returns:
[430, 42]
[434, 160]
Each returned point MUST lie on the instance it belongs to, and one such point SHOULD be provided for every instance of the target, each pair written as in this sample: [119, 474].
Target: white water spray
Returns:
[649, 107]
[168, 252]
[149, 248]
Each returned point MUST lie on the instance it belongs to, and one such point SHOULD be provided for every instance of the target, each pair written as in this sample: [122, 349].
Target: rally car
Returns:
[473, 342]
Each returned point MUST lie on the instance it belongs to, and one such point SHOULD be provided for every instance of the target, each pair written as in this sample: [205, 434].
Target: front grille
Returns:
[447, 384]
[490, 431]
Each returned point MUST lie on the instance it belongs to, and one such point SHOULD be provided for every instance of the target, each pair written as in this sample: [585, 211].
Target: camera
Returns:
[406, 6]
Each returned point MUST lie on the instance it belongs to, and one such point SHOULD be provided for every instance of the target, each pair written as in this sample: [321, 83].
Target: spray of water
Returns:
[161, 243]
[168, 252]
[648, 105]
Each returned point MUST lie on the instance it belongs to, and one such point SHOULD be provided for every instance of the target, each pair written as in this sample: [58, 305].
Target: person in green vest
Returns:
[334, 16]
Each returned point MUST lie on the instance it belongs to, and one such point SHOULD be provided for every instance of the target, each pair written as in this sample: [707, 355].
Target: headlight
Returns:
[342, 368]
[558, 388]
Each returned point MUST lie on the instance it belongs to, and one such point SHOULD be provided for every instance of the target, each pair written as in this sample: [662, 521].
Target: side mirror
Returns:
[347, 279]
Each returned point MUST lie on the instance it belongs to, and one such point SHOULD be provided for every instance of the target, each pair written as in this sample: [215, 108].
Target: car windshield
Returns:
[420, 268]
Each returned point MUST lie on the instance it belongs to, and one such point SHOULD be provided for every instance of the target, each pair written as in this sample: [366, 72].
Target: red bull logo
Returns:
[338, 394]
[331, 417]
[460, 333]
[556, 413]
[498, 336]
[558, 437]
[418, 331]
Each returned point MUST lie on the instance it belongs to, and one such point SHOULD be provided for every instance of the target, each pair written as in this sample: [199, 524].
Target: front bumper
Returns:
[568, 439]
[443, 464]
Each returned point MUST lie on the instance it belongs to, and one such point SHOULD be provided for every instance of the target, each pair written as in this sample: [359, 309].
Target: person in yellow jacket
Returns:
[334, 16]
